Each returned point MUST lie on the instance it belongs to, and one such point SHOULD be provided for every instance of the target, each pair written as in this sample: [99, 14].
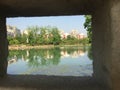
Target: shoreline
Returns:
[24, 47]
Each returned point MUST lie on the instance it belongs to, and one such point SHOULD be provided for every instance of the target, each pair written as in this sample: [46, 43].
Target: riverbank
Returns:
[24, 47]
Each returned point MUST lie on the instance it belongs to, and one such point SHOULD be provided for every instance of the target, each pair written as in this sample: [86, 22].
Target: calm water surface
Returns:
[73, 61]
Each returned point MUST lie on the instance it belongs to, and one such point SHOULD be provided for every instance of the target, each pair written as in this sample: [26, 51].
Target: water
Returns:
[73, 61]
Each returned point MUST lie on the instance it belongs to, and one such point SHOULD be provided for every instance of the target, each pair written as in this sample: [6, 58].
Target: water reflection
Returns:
[90, 53]
[43, 56]
[55, 60]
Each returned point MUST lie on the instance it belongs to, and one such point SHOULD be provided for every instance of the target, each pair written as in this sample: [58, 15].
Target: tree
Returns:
[84, 41]
[56, 38]
[43, 35]
[88, 26]
[23, 39]
[33, 34]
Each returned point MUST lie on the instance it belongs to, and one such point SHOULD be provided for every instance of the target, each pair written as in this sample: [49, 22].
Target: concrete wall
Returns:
[15, 8]
[106, 31]
[115, 35]
[3, 47]
[106, 43]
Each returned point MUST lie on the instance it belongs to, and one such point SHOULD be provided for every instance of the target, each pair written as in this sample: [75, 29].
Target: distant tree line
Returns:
[46, 35]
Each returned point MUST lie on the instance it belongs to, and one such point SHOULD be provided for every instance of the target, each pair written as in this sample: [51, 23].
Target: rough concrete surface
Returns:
[38, 82]
[106, 43]
[12, 8]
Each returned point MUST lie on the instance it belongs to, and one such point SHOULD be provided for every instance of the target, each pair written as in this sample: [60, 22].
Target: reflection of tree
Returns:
[16, 53]
[42, 57]
[90, 53]
[56, 55]
[33, 59]
[74, 51]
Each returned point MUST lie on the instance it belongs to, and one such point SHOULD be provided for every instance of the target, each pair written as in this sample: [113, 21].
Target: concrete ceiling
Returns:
[15, 8]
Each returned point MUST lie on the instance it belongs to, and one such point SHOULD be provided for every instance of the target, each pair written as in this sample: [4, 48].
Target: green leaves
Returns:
[56, 38]
[47, 35]
[88, 26]
[43, 35]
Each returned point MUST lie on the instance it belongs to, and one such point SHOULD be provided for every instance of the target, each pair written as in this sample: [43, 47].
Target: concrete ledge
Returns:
[14, 8]
[39, 82]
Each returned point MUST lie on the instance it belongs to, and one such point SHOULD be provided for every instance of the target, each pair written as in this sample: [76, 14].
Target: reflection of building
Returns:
[12, 61]
[64, 54]
[81, 53]
[27, 53]
[13, 31]
[49, 56]
[74, 54]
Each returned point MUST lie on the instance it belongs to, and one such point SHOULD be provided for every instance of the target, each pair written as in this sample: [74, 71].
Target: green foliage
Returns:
[90, 53]
[42, 57]
[37, 57]
[84, 41]
[44, 36]
[88, 26]
[13, 41]
[44, 33]
[56, 38]
[33, 32]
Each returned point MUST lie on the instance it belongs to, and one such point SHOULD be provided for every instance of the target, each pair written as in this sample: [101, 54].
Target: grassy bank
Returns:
[23, 47]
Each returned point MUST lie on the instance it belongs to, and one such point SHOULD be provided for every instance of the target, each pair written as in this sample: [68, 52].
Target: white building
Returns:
[13, 31]
[73, 33]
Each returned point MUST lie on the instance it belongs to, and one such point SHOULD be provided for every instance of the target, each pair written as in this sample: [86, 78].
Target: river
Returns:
[73, 61]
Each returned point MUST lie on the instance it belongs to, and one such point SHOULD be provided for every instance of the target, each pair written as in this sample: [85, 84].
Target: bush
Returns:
[13, 41]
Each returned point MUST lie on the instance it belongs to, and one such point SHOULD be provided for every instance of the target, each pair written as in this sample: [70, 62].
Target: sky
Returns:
[65, 23]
